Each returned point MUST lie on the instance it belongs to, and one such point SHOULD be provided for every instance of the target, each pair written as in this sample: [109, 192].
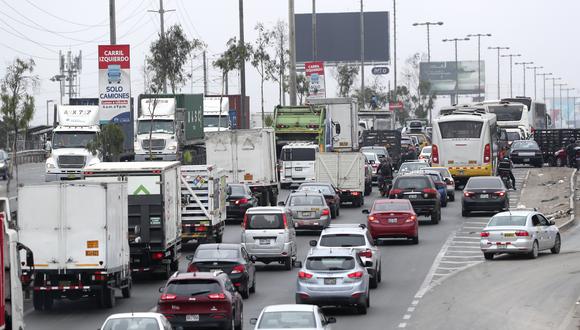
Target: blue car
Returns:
[439, 183]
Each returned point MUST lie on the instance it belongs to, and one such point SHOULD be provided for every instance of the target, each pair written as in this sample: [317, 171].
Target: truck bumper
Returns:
[60, 176]
[154, 156]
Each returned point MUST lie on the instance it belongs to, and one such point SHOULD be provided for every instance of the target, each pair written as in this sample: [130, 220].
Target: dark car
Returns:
[201, 299]
[240, 199]
[331, 195]
[484, 193]
[526, 152]
[232, 259]
[421, 192]
[4, 164]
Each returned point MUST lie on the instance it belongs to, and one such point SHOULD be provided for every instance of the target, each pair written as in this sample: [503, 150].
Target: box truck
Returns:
[344, 170]
[343, 115]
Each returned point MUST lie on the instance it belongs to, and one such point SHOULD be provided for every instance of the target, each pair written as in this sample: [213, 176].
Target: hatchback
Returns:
[393, 218]
[421, 192]
[484, 193]
[305, 317]
[308, 210]
[331, 195]
[239, 200]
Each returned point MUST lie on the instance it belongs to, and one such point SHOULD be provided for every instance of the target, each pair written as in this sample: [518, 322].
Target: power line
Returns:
[64, 19]
[33, 56]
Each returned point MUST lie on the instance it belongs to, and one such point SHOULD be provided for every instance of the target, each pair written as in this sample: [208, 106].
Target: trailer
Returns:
[154, 212]
[77, 231]
[203, 204]
[343, 115]
[344, 170]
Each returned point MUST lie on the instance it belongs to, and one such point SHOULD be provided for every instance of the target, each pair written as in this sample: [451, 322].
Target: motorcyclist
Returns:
[504, 169]
[384, 172]
[571, 153]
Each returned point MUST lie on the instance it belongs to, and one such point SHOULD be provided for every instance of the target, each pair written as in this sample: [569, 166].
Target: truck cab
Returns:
[156, 137]
[297, 163]
[216, 116]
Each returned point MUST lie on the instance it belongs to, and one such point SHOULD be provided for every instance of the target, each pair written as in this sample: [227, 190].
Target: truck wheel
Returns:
[109, 297]
[126, 291]
[48, 301]
[175, 265]
[38, 300]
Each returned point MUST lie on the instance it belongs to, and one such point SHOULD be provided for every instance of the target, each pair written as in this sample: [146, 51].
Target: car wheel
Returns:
[464, 212]
[488, 256]
[444, 204]
[232, 325]
[380, 274]
[557, 245]
[240, 324]
[415, 240]
[535, 250]
[374, 281]
[452, 197]
[288, 263]
[338, 210]
[253, 288]
[246, 292]
[435, 217]
[362, 308]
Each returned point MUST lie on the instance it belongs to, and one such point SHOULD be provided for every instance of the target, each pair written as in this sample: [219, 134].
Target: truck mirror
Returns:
[29, 259]
[229, 192]
[337, 128]
[137, 230]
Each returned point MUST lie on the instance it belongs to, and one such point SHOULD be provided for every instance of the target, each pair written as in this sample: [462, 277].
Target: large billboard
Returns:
[444, 75]
[338, 37]
[114, 83]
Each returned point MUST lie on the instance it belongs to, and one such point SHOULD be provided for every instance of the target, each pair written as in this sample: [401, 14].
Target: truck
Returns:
[77, 127]
[248, 156]
[77, 231]
[390, 139]
[538, 117]
[297, 161]
[216, 114]
[237, 119]
[169, 128]
[375, 119]
[203, 204]
[305, 123]
[342, 113]
[344, 170]
[154, 212]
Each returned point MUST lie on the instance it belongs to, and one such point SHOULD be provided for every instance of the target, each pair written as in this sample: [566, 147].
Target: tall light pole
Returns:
[479, 35]
[523, 64]
[428, 25]
[553, 79]
[362, 52]
[544, 78]
[535, 76]
[499, 49]
[561, 108]
[511, 56]
[567, 106]
[47, 110]
[292, 51]
[455, 41]
[395, 49]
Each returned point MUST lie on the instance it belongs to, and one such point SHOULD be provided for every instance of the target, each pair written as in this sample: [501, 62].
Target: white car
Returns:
[425, 154]
[136, 321]
[304, 317]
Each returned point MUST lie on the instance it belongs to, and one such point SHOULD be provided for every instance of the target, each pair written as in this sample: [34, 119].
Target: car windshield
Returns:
[72, 139]
[372, 158]
[482, 183]
[342, 240]
[216, 254]
[396, 207]
[238, 190]
[525, 144]
[462, 129]
[322, 189]
[410, 167]
[265, 221]
[287, 320]
[187, 288]
[306, 201]
[512, 136]
[507, 112]
[330, 263]
[131, 323]
[508, 220]
[411, 183]
[426, 150]
[155, 126]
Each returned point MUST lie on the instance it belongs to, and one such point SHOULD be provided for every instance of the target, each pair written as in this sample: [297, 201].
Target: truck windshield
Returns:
[159, 126]
[72, 139]
[507, 112]
[214, 121]
[299, 154]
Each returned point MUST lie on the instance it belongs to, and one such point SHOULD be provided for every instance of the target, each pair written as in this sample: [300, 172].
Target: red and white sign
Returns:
[315, 76]
[114, 83]
[393, 106]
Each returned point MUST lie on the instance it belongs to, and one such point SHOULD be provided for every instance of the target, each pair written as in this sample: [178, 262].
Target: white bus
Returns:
[297, 163]
[466, 142]
[510, 115]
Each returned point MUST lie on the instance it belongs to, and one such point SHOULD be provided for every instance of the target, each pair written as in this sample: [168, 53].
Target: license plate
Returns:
[71, 176]
[484, 196]
[192, 318]
[508, 235]
[298, 169]
[392, 220]
[412, 196]
[264, 241]
[215, 270]
[526, 159]
[330, 281]
[307, 214]
[527, 154]
[501, 245]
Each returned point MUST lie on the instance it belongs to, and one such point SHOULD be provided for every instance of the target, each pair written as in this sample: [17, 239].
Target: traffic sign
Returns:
[393, 106]
[379, 70]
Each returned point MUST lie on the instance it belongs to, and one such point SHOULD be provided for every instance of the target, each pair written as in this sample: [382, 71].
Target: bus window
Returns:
[507, 112]
[460, 129]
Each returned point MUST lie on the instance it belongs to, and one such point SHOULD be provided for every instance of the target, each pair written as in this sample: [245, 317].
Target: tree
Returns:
[17, 102]
[375, 92]
[422, 99]
[281, 59]
[261, 59]
[268, 121]
[345, 75]
[302, 87]
[109, 143]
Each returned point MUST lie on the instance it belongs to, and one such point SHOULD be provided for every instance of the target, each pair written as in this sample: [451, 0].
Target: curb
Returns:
[570, 221]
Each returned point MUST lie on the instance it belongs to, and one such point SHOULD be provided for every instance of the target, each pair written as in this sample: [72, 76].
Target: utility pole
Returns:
[523, 64]
[395, 48]
[544, 78]
[479, 35]
[455, 40]
[535, 68]
[292, 51]
[561, 106]
[204, 74]
[568, 106]
[161, 13]
[511, 56]
[362, 53]
[47, 110]
[499, 49]
[112, 25]
[428, 26]
[314, 50]
[553, 79]
[242, 67]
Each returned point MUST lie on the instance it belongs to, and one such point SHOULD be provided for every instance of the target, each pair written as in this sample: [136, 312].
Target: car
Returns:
[239, 200]
[408, 149]
[448, 181]
[425, 154]
[331, 195]
[439, 183]
[374, 161]
[201, 299]
[484, 193]
[411, 166]
[233, 259]
[526, 152]
[269, 236]
[129, 321]
[355, 236]
[308, 210]
[306, 317]
[393, 218]
[421, 192]
[334, 277]
[519, 232]
[5, 165]
[381, 152]
[513, 134]
[421, 139]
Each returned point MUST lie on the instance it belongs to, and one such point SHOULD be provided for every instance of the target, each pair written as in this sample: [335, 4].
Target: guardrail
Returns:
[30, 156]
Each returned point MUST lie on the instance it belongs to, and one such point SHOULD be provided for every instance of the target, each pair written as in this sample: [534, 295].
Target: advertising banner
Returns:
[443, 75]
[114, 83]
[315, 77]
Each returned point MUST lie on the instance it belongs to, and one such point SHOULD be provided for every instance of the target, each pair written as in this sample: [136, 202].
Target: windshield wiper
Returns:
[200, 292]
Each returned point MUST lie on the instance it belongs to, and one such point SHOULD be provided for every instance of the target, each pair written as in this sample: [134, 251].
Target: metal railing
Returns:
[30, 156]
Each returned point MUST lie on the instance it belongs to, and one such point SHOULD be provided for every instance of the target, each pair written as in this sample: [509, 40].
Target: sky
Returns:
[541, 31]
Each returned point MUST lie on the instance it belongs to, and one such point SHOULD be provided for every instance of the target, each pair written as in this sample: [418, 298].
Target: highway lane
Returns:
[27, 174]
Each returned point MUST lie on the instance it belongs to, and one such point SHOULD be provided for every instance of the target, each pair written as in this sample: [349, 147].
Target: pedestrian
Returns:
[571, 153]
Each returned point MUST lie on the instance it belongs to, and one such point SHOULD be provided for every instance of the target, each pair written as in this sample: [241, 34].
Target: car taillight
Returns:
[245, 222]
[366, 254]
[355, 193]
[216, 296]
[373, 219]
[168, 296]
[201, 228]
[285, 220]
[484, 234]
[521, 233]
[238, 269]
[487, 153]
[395, 192]
[157, 256]
[429, 192]
[468, 194]
[325, 212]
[192, 268]
[411, 219]
[241, 201]
[355, 275]
[434, 154]
[500, 193]
[375, 165]
[304, 275]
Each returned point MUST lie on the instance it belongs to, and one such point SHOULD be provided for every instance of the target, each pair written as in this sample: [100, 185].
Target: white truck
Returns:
[297, 163]
[248, 156]
[344, 170]
[78, 125]
[78, 234]
[343, 114]
[203, 204]
[156, 129]
[216, 116]
[154, 212]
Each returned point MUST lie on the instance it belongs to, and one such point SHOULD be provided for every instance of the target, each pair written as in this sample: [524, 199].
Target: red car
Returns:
[393, 218]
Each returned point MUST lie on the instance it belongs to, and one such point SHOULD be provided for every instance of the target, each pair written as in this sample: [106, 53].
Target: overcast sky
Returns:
[541, 31]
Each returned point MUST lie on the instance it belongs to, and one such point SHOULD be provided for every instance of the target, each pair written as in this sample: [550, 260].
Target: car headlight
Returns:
[2, 164]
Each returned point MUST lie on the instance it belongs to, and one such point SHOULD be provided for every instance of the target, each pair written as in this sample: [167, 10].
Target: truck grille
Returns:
[71, 161]
[158, 144]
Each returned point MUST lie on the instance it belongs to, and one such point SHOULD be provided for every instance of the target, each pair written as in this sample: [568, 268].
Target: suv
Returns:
[421, 192]
[308, 210]
[268, 236]
[334, 277]
[201, 300]
[448, 181]
[355, 236]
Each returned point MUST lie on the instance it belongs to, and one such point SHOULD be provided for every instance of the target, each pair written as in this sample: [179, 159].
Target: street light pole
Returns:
[455, 41]
[511, 56]
[535, 76]
[553, 79]
[523, 64]
[567, 106]
[544, 78]
[499, 49]
[428, 26]
[479, 35]
[561, 108]
[47, 110]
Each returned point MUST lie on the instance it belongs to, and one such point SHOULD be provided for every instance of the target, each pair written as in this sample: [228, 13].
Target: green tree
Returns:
[109, 143]
[345, 75]
[261, 59]
[17, 101]
[268, 121]
[302, 87]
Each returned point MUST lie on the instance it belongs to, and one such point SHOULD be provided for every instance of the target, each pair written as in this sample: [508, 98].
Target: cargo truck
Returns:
[248, 156]
[344, 170]
[237, 119]
[170, 127]
[154, 212]
[78, 234]
[306, 123]
[203, 204]
[342, 113]
[216, 114]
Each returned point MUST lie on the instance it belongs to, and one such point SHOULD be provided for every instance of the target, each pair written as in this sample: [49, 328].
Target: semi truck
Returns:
[78, 233]
[248, 156]
[344, 170]
[169, 128]
[342, 114]
[306, 123]
[154, 212]
[203, 204]
[237, 119]
[77, 127]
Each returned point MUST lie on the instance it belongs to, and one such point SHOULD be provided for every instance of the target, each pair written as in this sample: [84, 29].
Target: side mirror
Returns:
[337, 128]
[253, 321]
[161, 289]
[551, 222]
[30, 257]
[297, 264]
[137, 230]
[313, 242]
[253, 258]
[189, 257]
[281, 204]
[366, 211]
[331, 320]
[368, 264]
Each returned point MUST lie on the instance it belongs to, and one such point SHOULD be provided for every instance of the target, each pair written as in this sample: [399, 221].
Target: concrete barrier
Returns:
[30, 156]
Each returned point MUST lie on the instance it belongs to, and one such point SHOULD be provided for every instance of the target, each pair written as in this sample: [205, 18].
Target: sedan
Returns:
[309, 210]
[484, 193]
[331, 195]
[149, 321]
[393, 218]
[425, 154]
[408, 167]
[306, 317]
[526, 152]
[240, 199]
[374, 161]
[519, 232]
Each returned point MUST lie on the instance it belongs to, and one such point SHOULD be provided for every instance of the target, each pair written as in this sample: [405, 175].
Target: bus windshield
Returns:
[299, 154]
[507, 112]
[463, 129]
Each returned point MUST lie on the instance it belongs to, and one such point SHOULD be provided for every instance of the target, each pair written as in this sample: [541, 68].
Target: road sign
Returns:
[379, 70]
[393, 106]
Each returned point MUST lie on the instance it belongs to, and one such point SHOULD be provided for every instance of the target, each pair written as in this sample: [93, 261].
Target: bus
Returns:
[510, 115]
[466, 142]
[538, 117]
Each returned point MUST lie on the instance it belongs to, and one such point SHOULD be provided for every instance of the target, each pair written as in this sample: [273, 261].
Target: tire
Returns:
[435, 217]
[167, 273]
[374, 281]
[557, 245]
[464, 212]
[38, 300]
[415, 240]
[362, 308]
[488, 256]
[218, 238]
[338, 210]
[535, 250]
[126, 291]
[444, 204]
[246, 293]
[253, 288]
[368, 189]
[109, 298]
[240, 324]
[380, 274]
[288, 263]
[452, 197]
[232, 325]
[174, 266]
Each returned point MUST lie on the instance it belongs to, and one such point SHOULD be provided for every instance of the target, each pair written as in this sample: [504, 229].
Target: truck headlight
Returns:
[137, 146]
[173, 147]
[50, 165]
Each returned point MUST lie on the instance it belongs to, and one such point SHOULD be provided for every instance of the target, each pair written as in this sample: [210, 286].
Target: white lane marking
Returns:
[460, 262]
[468, 237]
[406, 316]
[478, 223]
[402, 325]
[465, 252]
[449, 268]
[463, 257]
[427, 282]
[414, 302]
[470, 227]
[411, 309]
[464, 247]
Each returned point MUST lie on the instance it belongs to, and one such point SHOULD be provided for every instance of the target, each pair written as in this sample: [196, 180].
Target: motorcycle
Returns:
[504, 175]
[385, 186]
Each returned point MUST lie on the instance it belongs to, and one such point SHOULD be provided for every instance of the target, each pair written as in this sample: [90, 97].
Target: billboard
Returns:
[315, 76]
[114, 83]
[442, 76]
[338, 37]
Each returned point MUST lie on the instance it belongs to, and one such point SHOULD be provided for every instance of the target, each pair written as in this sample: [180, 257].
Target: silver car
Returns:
[334, 277]
[519, 232]
[308, 210]
[268, 235]
[305, 317]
